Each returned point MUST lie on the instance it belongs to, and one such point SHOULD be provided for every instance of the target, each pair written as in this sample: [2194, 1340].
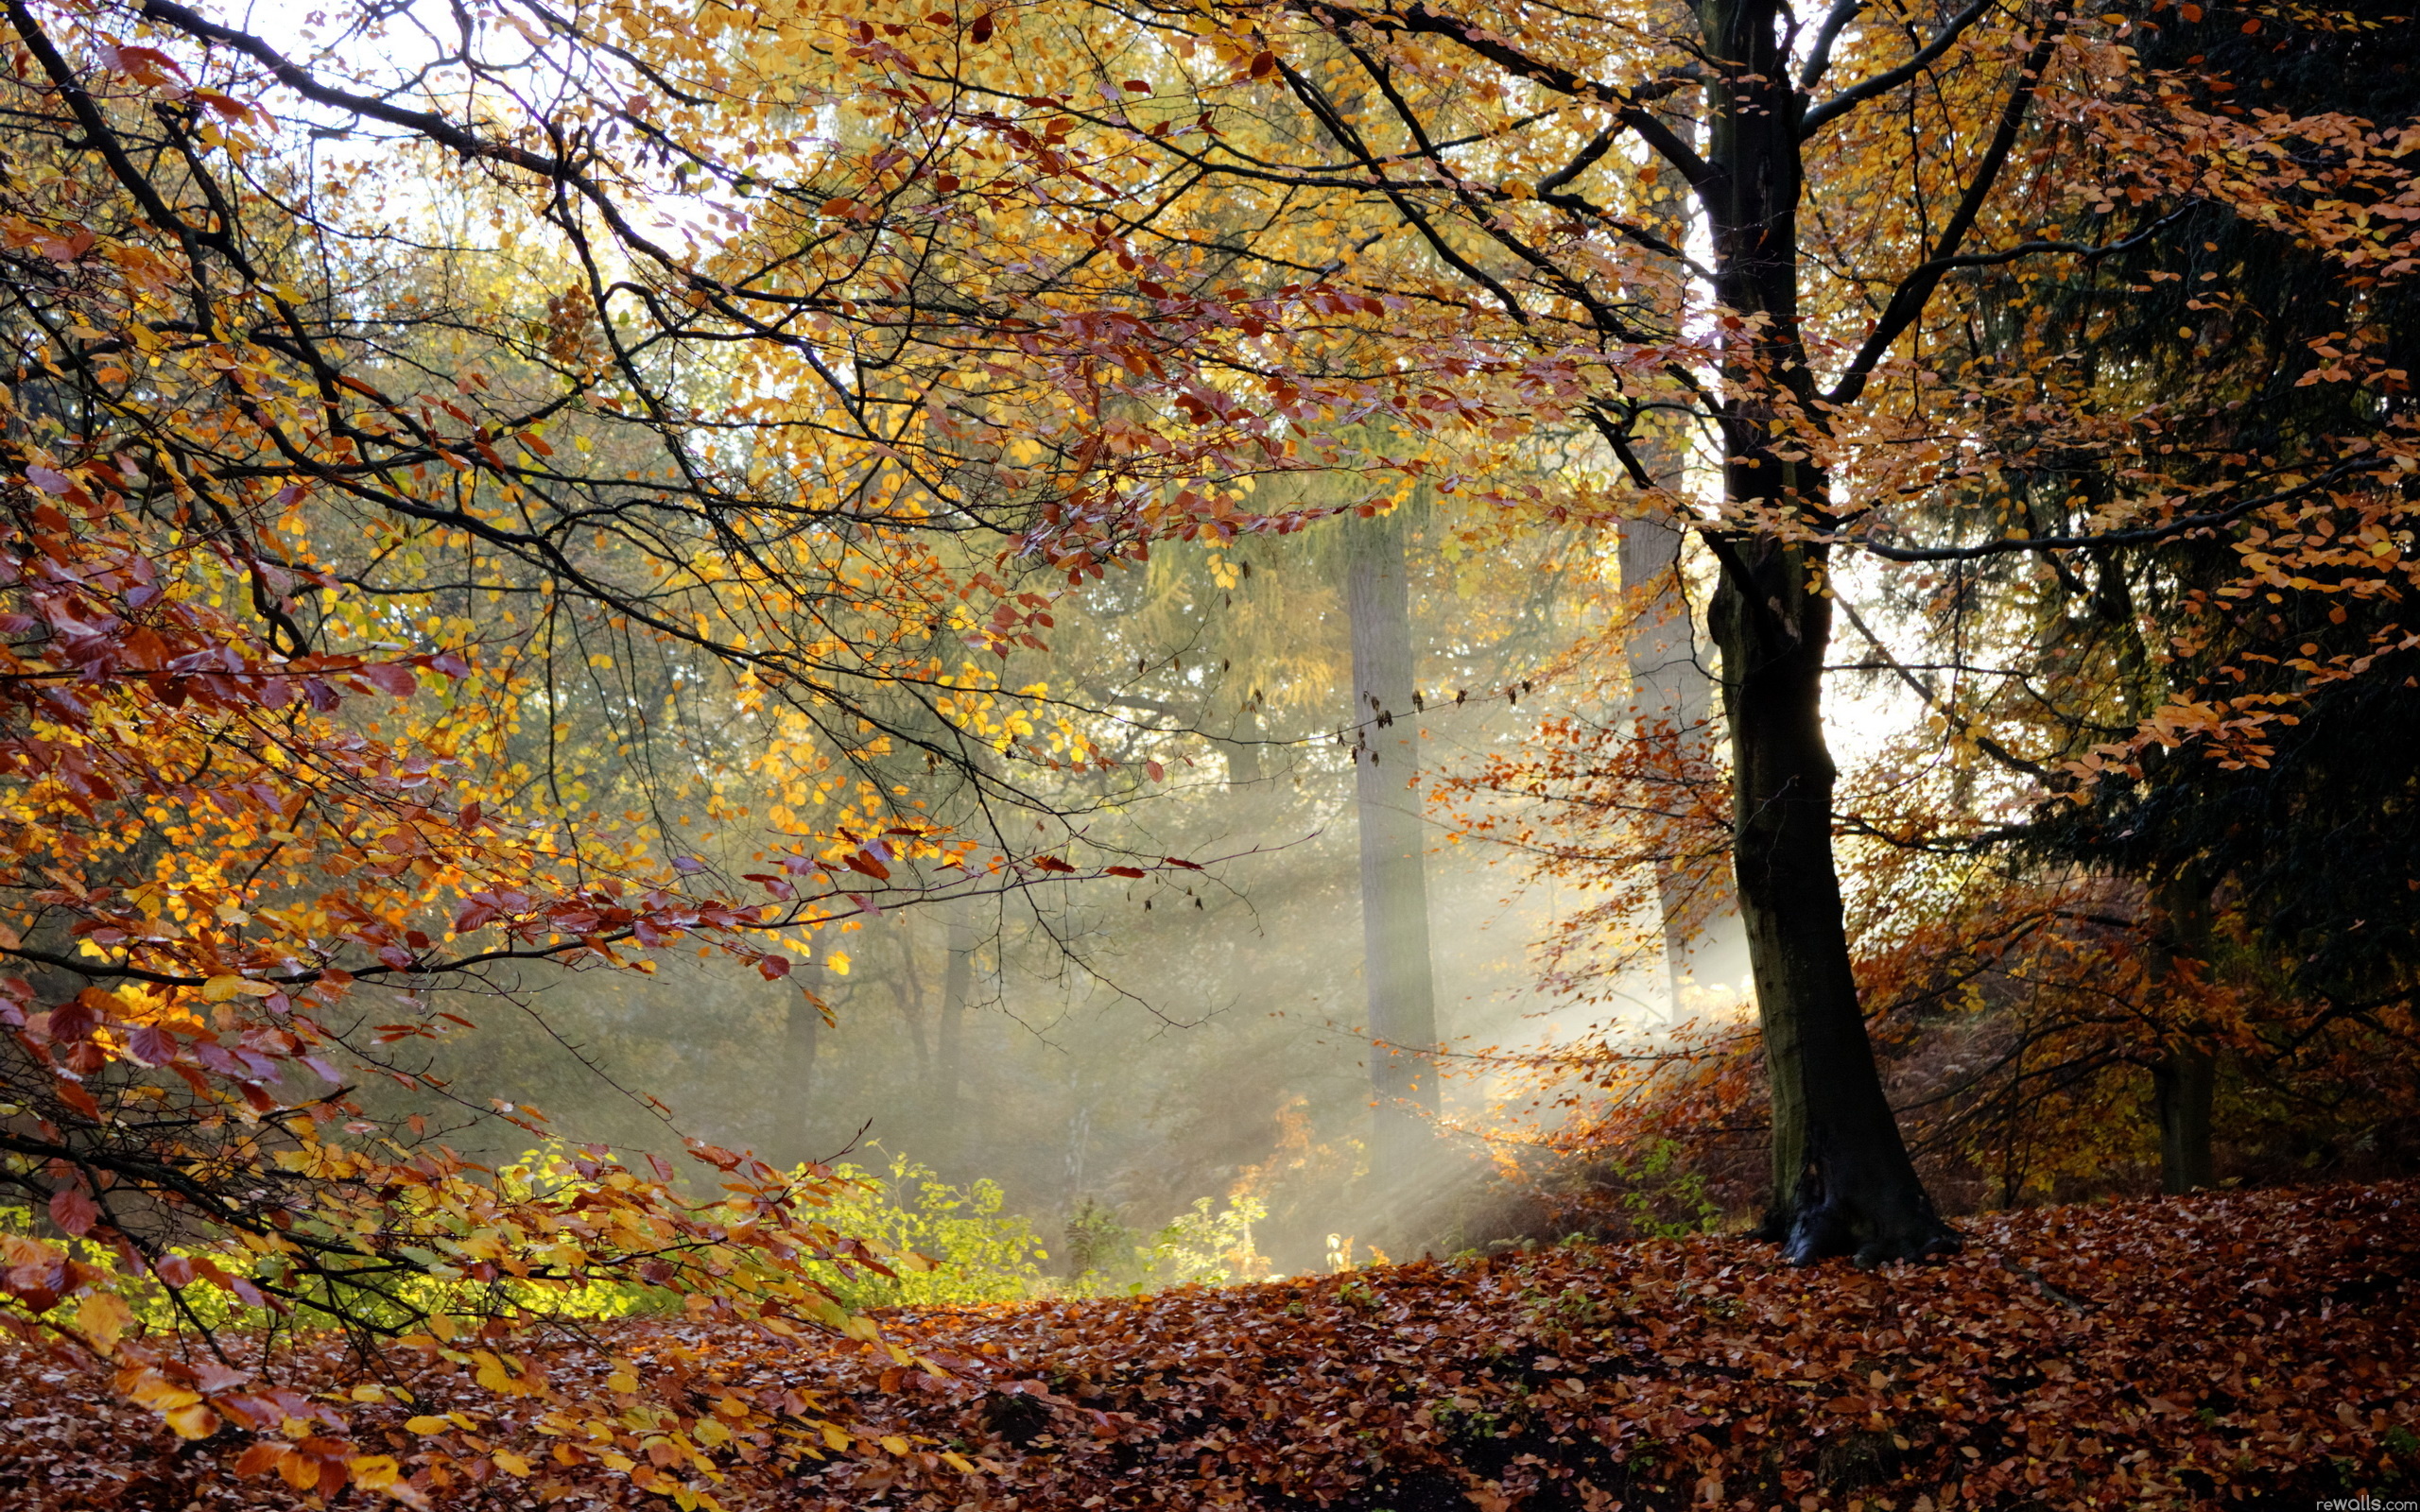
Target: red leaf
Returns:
[389, 677]
[73, 1212]
[151, 1045]
[214, 1378]
[981, 31]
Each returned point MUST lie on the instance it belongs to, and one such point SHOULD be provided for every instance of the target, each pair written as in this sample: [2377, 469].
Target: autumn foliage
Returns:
[592, 523]
[2223, 1351]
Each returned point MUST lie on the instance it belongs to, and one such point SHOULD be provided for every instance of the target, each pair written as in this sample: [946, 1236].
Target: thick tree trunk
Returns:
[1705, 946]
[1394, 881]
[1842, 1181]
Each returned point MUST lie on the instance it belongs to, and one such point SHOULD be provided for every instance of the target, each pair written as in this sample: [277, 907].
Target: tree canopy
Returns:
[544, 487]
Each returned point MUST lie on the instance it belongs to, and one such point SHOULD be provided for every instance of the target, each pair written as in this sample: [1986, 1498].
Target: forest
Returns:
[1381, 755]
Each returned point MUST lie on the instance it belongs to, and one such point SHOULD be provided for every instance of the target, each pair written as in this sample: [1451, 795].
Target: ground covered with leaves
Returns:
[2239, 1349]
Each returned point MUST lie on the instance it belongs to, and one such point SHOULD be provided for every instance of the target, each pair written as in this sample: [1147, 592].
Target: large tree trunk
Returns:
[1705, 946]
[1842, 1181]
[1394, 879]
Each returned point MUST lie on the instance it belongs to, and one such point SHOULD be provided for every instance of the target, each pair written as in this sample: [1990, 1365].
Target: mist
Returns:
[1127, 1049]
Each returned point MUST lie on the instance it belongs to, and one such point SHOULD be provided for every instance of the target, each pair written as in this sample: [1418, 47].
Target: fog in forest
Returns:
[1126, 1049]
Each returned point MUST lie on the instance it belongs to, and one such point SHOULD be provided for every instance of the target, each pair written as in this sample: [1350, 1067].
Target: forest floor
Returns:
[2243, 1349]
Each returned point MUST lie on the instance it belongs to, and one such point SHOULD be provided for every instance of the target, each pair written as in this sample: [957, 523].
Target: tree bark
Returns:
[1394, 881]
[1842, 1180]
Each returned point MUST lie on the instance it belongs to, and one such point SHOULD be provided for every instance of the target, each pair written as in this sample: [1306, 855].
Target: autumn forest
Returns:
[1276, 754]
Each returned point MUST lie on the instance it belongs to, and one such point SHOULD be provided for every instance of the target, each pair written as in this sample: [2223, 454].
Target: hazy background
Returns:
[1143, 1045]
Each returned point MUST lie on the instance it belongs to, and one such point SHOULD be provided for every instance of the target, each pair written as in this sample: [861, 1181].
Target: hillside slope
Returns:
[2237, 1349]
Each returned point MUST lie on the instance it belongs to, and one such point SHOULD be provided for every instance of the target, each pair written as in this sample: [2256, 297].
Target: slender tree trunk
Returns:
[908, 990]
[1394, 881]
[1842, 1181]
[801, 1034]
[1704, 943]
[1241, 749]
[958, 988]
[2184, 1084]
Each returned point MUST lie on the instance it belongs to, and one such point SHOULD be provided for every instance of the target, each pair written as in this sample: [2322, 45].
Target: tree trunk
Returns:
[2185, 1085]
[1241, 749]
[908, 990]
[1842, 1181]
[1705, 946]
[1394, 881]
[958, 988]
[802, 1033]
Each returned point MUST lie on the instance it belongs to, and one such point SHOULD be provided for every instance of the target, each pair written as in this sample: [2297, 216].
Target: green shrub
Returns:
[967, 1250]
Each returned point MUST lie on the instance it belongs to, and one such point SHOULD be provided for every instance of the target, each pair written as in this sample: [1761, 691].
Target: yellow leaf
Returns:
[835, 1436]
[511, 1463]
[101, 1318]
[228, 985]
[839, 962]
[196, 1422]
[504, 1377]
[150, 1388]
[375, 1473]
[426, 1424]
[896, 1444]
[957, 1462]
